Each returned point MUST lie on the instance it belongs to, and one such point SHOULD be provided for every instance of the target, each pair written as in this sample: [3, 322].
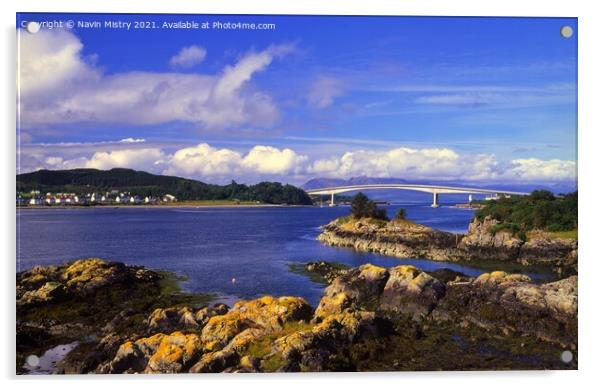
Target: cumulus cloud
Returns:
[188, 56]
[441, 163]
[51, 60]
[147, 159]
[260, 162]
[204, 160]
[537, 169]
[323, 92]
[271, 160]
[207, 161]
[76, 91]
[139, 159]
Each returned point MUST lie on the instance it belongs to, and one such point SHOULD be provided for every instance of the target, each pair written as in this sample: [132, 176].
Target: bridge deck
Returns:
[414, 187]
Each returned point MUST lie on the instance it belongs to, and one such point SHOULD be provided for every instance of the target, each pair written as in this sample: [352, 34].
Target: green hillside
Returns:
[145, 184]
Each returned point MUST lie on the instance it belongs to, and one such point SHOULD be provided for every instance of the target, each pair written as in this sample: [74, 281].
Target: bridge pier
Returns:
[332, 199]
[435, 199]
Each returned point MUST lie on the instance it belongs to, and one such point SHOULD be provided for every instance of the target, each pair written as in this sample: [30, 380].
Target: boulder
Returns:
[410, 291]
[482, 243]
[357, 288]
[48, 293]
[84, 277]
[499, 277]
[175, 353]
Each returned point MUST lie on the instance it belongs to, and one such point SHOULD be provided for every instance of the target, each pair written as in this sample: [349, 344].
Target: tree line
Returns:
[83, 181]
[539, 210]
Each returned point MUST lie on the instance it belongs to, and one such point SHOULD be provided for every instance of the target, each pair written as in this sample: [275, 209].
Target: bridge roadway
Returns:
[434, 189]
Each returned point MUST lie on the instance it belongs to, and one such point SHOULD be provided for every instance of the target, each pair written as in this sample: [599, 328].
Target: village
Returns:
[113, 197]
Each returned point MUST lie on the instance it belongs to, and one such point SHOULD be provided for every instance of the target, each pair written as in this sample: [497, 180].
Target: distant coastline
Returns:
[175, 205]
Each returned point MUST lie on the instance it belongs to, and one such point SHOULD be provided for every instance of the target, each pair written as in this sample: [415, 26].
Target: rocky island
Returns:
[494, 235]
[125, 319]
[405, 239]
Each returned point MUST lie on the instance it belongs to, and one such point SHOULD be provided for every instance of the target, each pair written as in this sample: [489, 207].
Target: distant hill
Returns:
[87, 180]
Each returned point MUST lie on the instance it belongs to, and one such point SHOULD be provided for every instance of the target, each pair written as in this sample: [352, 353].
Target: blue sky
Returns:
[484, 99]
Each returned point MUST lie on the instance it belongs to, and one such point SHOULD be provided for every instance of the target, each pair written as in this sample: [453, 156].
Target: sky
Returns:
[420, 98]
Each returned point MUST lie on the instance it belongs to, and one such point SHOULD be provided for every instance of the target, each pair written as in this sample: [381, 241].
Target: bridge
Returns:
[434, 189]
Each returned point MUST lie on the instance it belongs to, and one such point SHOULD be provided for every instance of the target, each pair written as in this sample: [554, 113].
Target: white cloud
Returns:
[263, 162]
[440, 163]
[75, 91]
[188, 56]
[323, 92]
[206, 161]
[147, 159]
[271, 160]
[132, 140]
[51, 60]
[537, 169]
[139, 159]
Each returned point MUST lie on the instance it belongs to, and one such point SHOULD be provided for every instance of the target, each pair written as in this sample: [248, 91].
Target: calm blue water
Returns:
[213, 245]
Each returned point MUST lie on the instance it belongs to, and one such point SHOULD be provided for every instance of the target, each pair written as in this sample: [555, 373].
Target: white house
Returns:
[169, 198]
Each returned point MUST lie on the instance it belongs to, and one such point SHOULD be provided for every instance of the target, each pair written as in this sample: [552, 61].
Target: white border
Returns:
[590, 26]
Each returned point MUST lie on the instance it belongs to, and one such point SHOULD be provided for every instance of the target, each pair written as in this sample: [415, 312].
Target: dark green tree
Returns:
[401, 214]
[362, 207]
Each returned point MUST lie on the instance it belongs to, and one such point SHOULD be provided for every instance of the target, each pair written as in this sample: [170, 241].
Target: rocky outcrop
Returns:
[216, 344]
[493, 301]
[483, 241]
[370, 318]
[79, 279]
[402, 239]
[512, 304]
[173, 319]
[88, 298]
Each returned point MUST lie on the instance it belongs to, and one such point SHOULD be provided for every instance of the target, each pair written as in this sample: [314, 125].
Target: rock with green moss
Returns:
[370, 318]
[97, 303]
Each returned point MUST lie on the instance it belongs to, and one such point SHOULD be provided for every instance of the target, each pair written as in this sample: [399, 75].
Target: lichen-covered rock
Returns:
[543, 249]
[271, 312]
[176, 352]
[172, 319]
[410, 291]
[365, 313]
[215, 346]
[159, 353]
[357, 288]
[312, 348]
[48, 293]
[86, 276]
[482, 241]
[499, 277]
[402, 239]
[507, 303]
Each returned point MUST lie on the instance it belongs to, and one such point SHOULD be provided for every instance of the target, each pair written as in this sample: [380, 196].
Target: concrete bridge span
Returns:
[434, 189]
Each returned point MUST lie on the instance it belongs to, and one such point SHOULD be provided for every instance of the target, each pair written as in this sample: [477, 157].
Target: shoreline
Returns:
[170, 332]
[191, 206]
[479, 245]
